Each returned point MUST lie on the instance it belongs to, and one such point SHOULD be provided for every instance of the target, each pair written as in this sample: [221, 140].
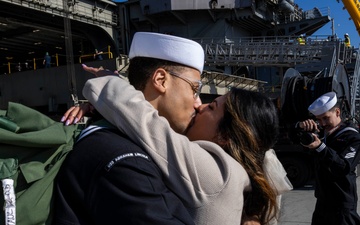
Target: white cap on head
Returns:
[168, 47]
[323, 104]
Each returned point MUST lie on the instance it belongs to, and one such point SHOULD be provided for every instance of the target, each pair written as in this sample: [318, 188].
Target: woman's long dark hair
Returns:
[250, 126]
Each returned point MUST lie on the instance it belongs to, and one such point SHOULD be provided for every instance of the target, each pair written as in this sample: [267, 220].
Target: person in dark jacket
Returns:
[336, 157]
[108, 179]
[97, 55]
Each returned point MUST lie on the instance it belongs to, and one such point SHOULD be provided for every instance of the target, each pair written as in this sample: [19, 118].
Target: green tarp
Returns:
[32, 149]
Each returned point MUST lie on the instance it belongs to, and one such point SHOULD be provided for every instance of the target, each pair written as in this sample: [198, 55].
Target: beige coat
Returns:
[208, 180]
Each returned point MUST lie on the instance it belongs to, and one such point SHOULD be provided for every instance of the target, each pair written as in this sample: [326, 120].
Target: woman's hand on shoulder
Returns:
[99, 72]
[75, 113]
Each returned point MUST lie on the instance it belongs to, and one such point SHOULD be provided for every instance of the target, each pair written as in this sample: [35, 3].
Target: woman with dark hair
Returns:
[206, 168]
[250, 128]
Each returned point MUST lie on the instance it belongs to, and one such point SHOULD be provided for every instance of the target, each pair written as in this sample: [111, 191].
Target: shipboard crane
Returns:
[353, 7]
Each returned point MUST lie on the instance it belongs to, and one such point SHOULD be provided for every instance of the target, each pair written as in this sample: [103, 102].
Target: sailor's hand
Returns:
[76, 113]
[309, 125]
[315, 144]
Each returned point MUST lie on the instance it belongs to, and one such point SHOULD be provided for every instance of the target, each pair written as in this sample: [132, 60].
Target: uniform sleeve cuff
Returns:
[321, 147]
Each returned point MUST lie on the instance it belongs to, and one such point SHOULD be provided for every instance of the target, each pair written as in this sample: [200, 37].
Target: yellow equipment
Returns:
[353, 7]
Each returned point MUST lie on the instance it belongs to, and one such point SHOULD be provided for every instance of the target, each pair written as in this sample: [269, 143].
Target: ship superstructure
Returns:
[109, 27]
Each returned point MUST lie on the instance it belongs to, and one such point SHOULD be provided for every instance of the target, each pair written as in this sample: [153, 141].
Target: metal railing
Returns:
[228, 81]
[262, 51]
[355, 101]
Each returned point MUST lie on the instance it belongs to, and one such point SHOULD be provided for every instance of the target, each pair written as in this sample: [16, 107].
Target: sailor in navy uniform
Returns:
[336, 157]
[87, 185]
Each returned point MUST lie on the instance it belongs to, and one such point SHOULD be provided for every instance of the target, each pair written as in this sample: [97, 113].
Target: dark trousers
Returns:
[325, 214]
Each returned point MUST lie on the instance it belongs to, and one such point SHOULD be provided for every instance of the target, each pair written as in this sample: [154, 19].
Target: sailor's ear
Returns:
[159, 80]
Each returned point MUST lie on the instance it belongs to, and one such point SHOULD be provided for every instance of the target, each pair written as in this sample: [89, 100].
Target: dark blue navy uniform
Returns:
[107, 179]
[335, 187]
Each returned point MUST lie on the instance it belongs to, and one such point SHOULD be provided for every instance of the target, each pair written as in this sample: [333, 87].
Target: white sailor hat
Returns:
[168, 47]
[323, 104]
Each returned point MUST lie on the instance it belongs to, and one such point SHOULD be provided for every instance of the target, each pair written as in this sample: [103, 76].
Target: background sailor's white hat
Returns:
[168, 47]
[323, 104]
